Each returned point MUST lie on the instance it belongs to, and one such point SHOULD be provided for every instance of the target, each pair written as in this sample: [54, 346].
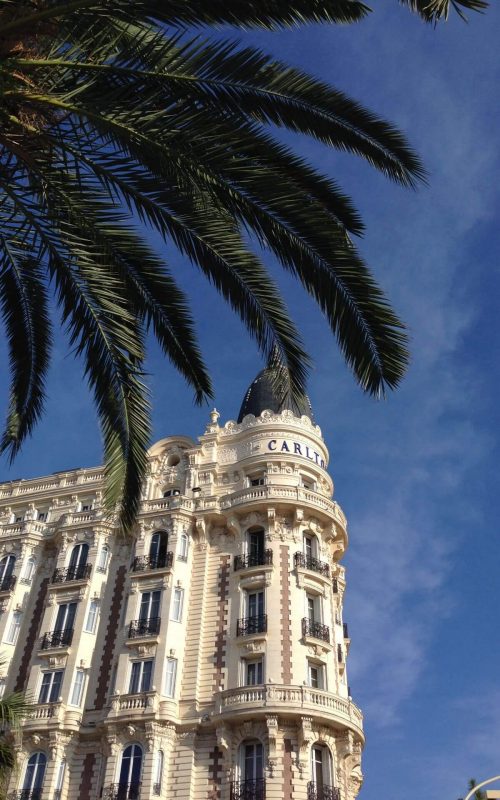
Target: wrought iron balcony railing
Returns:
[340, 654]
[248, 790]
[316, 792]
[7, 584]
[253, 560]
[142, 563]
[79, 573]
[26, 794]
[122, 791]
[315, 629]
[248, 625]
[346, 630]
[144, 627]
[314, 564]
[60, 638]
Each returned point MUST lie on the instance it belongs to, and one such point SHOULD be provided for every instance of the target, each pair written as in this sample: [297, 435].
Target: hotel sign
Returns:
[295, 448]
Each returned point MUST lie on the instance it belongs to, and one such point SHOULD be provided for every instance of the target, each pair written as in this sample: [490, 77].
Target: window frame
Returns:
[177, 604]
[50, 686]
[139, 664]
[12, 626]
[94, 604]
[170, 684]
[79, 687]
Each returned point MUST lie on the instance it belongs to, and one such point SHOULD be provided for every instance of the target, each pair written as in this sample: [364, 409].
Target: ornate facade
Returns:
[205, 660]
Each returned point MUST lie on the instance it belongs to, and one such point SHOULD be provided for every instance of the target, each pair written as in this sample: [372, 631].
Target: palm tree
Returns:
[113, 118]
[13, 709]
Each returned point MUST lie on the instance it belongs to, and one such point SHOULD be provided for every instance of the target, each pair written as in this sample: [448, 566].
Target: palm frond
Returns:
[435, 10]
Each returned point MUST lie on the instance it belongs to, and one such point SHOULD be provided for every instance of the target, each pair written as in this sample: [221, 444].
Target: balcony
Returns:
[253, 560]
[26, 794]
[122, 791]
[315, 792]
[52, 639]
[144, 627]
[313, 564]
[252, 702]
[79, 573]
[249, 625]
[315, 629]
[143, 563]
[248, 790]
[7, 584]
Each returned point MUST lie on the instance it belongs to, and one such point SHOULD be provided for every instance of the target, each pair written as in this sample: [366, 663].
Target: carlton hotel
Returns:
[206, 658]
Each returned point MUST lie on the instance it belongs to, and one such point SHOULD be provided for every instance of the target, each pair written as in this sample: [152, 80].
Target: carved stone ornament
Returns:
[305, 740]
[223, 735]
[272, 735]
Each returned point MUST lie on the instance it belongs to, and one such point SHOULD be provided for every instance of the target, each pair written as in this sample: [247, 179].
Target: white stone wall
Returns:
[268, 474]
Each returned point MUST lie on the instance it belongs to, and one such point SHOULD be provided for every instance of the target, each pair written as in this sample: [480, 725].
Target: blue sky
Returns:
[417, 473]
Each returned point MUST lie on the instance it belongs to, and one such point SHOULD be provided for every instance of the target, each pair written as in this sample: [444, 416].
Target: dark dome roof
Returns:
[261, 395]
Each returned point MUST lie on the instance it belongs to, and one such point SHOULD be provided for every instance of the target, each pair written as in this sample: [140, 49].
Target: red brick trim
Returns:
[111, 632]
[221, 635]
[36, 620]
[287, 770]
[87, 775]
[214, 770]
[286, 613]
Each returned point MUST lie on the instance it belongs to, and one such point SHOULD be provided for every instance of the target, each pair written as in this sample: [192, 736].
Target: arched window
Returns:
[34, 775]
[102, 563]
[321, 784]
[184, 547]
[129, 782]
[158, 549]
[251, 765]
[172, 492]
[158, 773]
[6, 569]
[78, 562]
[29, 570]
[255, 546]
[311, 549]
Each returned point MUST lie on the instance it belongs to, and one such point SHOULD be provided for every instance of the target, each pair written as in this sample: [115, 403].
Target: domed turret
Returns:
[262, 395]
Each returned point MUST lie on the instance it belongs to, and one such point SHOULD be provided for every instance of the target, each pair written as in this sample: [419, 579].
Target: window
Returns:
[177, 604]
[310, 546]
[130, 771]
[78, 561]
[255, 604]
[29, 570]
[150, 605]
[315, 675]
[257, 481]
[184, 547]
[313, 607]
[172, 493]
[102, 563]
[42, 516]
[255, 547]
[320, 767]
[254, 672]
[19, 519]
[252, 762]
[140, 677]
[50, 689]
[65, 619]
[170, 677]
[60, 779]
[87, 507]
[6, 569]
[14, 627]
[158, 772]
[158, 549]
[34, 775]
[2, 687]
[93, 613]
[77, 690]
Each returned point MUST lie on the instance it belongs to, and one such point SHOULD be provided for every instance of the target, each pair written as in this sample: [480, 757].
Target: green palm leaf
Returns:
[195, 156]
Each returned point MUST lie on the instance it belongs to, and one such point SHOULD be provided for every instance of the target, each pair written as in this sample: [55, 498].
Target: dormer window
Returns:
[174, 492]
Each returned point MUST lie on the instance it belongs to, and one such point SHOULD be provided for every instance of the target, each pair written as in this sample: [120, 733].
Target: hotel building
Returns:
[206, 658]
